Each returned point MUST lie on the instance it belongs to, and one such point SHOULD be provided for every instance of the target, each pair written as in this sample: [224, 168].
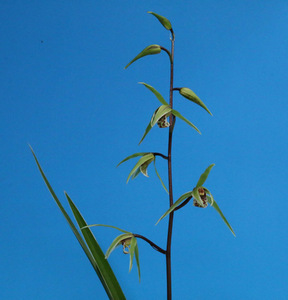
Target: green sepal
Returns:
[172, 207]
[164, 21]
[177, 114]
[204, 176]
[150, 50]
[158, 114]
[160, 177]
[143, 167]
[116, 242]
[190, 95]
[137, 261]
[155, 92]
[141, 161]
[132, 156]
[215, 205]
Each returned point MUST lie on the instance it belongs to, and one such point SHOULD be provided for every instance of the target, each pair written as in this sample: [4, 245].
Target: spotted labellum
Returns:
[202, 194]
[163, 123]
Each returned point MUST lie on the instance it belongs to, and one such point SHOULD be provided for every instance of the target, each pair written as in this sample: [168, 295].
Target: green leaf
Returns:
[132, 156]
[160, 177]
[204, 176]
[140, 162]
[215, 205]
[137, 261]
[110, 284]
[190, 95]
[164, 21]
[155, 92]
[116, 242]
[102, 225]
[172, 207]
[103, 265]
[150, 50]
[177, 114]
[158, 114]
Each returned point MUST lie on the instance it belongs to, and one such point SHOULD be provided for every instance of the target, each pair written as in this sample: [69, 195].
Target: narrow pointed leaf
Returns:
[131, 251]
[103, 271]
[116, 242]
[172, 207]
[164, 21]
[160, 177]
[102, 225]
[132, 156]
[103, 265]
[155, 92]
[204, 176]
[137, 261]
[150, 50]
[190, 95]
[140, 162]
[215, 205]
[177, 114]
[196, 195]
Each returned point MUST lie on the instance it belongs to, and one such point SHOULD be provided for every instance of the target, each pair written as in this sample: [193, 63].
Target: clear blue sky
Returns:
[71, 99]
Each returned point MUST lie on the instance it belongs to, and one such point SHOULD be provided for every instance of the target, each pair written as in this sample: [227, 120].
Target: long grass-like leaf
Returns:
[172, 207]
[107, 275]
[115, 292]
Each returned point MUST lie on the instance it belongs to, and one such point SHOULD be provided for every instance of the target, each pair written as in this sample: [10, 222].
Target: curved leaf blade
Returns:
[204, 176]
[106, 272]
[172, 207]
[164, 21]
[155, 92]
[150, 50]
[143, 167]
[177, 114]
[215, 205]
[111, 284]
[190, 95]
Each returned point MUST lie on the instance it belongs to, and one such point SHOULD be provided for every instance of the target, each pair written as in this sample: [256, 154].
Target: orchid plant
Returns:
[164, 116]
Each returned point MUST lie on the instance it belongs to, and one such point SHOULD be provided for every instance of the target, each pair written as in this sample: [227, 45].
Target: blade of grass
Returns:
[108, 278]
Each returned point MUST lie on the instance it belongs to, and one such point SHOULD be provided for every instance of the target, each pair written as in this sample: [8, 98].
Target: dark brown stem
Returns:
[153, 245]
[183, 203]
[171, 215]
[160, 154]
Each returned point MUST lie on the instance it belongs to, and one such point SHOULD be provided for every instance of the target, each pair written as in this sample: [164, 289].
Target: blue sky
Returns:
[71, 99]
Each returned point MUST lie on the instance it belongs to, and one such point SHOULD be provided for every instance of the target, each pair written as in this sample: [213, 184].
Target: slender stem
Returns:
[160, 154]
[183, 203]
[153, 245]
[171, 215]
